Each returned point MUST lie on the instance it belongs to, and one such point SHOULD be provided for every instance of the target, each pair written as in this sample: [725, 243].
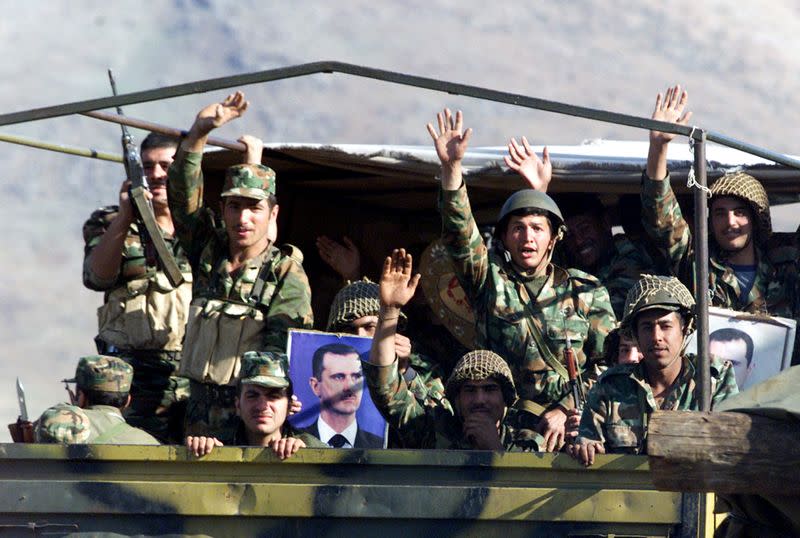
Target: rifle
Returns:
[575, 381]
[156, 250]
[21, 430]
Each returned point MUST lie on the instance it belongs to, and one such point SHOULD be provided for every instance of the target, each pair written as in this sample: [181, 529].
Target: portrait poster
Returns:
[758, 346]
[302, 345]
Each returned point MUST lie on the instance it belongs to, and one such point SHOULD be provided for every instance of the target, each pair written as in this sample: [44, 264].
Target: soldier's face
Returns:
[340, 385]
[263, 410]
[248, 223]
[736, 352]
[484, 397]
[528, 239]
[364, 326]
[628, 352]
[588, 239]
[155, 162]
[660, 337]
[731, 223]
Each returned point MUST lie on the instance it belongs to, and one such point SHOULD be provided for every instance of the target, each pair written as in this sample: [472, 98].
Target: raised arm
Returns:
[536, 172]
[669, 107]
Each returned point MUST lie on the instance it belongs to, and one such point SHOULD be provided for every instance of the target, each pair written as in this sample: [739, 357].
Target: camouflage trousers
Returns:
[158, 397]
[211, 411]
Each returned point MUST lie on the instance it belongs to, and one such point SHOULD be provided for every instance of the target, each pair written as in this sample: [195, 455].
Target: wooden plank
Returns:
[724, 453]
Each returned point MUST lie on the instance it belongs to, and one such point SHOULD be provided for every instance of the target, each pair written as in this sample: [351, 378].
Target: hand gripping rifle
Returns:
[156, 250]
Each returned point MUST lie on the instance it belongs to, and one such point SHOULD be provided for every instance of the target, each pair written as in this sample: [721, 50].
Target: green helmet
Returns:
[530, 199]
[355, 300]
[478, 365]
[750, 190]
[653, 292]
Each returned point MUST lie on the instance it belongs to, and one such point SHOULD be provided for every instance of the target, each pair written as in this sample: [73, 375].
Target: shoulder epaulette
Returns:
[292, 252]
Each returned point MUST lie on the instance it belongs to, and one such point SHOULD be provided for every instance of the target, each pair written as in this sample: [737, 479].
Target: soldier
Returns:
[526, 308]
[480, 389]
[748, 271]
[660, 314]
[263, 396]
[355, 310]
[247, 292]
[589, 244]
[102, 392]
[143, 316]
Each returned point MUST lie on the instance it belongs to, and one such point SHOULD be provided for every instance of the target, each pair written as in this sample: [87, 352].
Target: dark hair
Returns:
[729, 335]
[158, 140]
[581, 203]
[500, 229]
[101, 397]
[336, 349]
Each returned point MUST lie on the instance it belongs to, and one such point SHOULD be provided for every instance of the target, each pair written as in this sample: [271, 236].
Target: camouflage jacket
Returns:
[109, 428]
[142, 310]
[618, 406]
[437, 426]
[424, 380]
[775, 290]
[570, 301]
[621, 270]
[285, 301]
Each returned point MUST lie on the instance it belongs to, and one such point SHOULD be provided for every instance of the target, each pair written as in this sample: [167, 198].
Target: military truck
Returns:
[382, 197]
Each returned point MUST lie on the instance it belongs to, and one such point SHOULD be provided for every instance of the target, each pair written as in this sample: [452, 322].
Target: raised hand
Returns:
[536, 172]
[450, 142]
[218, 114]
[670, 107]
[397, 285]
[344, 259]
[255, 147]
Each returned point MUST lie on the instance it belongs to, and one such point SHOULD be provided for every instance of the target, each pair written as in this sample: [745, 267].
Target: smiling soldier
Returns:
[526, 308]
[660, 313]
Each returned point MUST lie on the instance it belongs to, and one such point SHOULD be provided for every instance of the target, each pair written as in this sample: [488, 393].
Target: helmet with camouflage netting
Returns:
[356, 300]
[478, 365]
[750, 190]
[656, 292]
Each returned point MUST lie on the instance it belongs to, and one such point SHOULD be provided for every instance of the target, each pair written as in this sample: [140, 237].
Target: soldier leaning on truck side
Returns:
[525, 306]
[750, 270]
[263, 401]
[247, 293]
[143, 316]
[477, 413]
[660, 315]
[102, 393]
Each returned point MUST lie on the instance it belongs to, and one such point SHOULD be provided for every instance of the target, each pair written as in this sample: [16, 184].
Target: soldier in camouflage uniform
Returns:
[247, 292]
[588, 243]
[355, 310]
[103, 386]
[480, 389]
[263, 396]
[143, 316]
[526, 308]
[749, 269]
[660, 314]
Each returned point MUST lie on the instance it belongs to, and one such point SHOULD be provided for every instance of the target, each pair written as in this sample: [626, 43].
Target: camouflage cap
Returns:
[478, 365]
[265, 369]
[103, 374]
[658, 292]
[356, 300]
[250, 181]
[63, 423]
[750, 190]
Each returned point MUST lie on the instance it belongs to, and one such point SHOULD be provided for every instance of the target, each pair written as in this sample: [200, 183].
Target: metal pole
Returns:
[163, 129]
[703, 373]
[93, 153]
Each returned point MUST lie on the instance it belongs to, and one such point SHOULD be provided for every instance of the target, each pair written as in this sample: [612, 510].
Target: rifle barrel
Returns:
[59, 148]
